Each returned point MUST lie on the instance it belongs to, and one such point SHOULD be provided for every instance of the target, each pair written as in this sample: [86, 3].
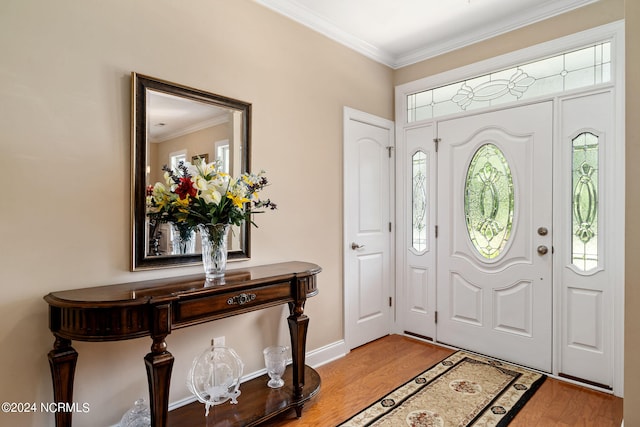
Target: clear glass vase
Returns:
[183, 239]
[214, 249]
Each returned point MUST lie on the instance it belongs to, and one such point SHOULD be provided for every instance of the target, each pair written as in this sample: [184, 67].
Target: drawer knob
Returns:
[241, 299]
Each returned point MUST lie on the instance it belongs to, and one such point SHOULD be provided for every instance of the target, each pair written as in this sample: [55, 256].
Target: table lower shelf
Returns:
[257, 403]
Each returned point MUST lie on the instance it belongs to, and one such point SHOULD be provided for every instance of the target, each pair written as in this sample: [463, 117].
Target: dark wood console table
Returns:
[155, 307]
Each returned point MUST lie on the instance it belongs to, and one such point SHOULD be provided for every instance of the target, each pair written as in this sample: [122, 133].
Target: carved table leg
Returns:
[62, 361]
[159, 364]
[298, 324]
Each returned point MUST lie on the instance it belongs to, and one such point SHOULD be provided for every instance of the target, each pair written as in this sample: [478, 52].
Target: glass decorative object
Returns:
[138, 416]
[584, 243]
[567, 71]
[489, 201]
[214, 249]
[215, 376]
[275, 359]
[419, 201]
[183, 239]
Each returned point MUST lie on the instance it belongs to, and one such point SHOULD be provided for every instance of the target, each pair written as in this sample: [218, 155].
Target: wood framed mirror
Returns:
[172, 123]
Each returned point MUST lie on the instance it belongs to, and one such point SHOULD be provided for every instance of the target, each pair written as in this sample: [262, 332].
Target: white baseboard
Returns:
[326, 354]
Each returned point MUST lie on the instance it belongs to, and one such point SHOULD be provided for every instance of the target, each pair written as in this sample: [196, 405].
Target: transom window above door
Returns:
[580, 68]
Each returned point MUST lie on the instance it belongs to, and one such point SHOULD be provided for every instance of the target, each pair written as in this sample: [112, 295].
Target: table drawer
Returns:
[219, 305]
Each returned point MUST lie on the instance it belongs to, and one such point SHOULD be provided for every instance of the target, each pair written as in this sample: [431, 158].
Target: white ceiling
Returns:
[170, 116]
[402, 32]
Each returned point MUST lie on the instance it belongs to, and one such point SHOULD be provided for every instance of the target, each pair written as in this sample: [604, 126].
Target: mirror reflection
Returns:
[183, 130]
[175, 124]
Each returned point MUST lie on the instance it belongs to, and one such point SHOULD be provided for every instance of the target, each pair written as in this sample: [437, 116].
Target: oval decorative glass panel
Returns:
[488, 201]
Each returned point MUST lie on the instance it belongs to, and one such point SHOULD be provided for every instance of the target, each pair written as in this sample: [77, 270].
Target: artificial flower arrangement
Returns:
[201, 193]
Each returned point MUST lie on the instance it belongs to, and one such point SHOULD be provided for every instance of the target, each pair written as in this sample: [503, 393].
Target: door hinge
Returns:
[436, 141]
[390, 149]
[436, 317]
[389, 227]
[436, 231]
[390, 302]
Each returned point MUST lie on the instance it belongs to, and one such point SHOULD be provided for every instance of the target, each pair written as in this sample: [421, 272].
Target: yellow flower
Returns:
[183, 204]
[237, 200]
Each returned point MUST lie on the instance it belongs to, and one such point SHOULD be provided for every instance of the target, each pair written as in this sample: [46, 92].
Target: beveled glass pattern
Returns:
[419, 201]
[489, 201]
[585, 201]
[581, 68]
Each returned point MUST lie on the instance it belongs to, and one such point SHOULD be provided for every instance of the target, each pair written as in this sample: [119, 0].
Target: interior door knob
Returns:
[355, 246]
[542, 249]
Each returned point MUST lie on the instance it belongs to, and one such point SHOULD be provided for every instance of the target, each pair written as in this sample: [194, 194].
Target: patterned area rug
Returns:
[462, 390]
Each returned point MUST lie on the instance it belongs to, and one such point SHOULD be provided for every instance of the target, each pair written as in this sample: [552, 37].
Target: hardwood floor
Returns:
[353, 382]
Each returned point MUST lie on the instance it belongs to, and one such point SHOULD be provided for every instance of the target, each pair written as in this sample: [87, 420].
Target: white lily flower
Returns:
[201, 183]
[209, 168]
[191, 169]
[211, 196]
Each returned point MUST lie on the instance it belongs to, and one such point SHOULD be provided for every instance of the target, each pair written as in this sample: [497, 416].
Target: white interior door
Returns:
[368, 272]
[495, 234]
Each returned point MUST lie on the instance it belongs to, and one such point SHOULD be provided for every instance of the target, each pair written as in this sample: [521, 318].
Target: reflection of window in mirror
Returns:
[222, 155]
[176, 157]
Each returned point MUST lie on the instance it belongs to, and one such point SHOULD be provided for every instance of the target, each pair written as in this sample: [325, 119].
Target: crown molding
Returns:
[545, 11]
[312, 20]
[293, 10]
[215, 121]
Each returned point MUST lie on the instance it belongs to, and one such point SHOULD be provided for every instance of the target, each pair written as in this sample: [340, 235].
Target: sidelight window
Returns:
[419, 202]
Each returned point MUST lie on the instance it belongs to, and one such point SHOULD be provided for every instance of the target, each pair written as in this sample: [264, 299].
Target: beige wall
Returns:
[195, 143]
[632, 238]
[64, 153]
[65, 98]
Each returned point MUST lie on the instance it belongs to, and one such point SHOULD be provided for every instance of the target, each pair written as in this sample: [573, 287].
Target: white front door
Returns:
[368, 272]
[494, 285]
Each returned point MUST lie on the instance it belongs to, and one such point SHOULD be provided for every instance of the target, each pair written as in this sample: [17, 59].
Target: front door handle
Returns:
[542, 249]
